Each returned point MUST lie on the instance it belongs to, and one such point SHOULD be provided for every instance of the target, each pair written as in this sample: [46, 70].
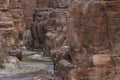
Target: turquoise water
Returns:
[15, 78]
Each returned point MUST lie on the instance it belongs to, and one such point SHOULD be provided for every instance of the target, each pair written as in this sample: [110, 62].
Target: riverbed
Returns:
[28, 69]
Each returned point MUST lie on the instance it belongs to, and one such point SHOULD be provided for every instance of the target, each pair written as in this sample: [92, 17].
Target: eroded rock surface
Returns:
[91, 30]
[90, 35]
[82, 34]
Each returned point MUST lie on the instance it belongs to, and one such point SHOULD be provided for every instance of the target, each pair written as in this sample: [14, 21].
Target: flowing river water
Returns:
[41, 68]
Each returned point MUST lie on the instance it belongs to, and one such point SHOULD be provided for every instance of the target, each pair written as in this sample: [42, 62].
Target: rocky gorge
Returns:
[81, 36]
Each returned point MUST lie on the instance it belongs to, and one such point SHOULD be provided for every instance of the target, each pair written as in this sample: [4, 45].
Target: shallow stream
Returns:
[30, 75]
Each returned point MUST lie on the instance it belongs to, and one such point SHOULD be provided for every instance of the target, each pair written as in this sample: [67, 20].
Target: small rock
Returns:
[66, 63]
[11, 59]
[41, 53]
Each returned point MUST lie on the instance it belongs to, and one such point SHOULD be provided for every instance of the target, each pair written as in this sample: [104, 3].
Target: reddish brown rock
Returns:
[89, 29]
[90, 35]
[28, 7]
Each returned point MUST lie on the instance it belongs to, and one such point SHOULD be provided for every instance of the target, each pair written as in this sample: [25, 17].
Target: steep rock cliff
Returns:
[50, 18]
[15, 16]
[93, 42]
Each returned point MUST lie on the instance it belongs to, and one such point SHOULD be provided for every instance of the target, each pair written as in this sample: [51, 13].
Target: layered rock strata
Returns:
[93, 40]
[11, 21]
[50, 18]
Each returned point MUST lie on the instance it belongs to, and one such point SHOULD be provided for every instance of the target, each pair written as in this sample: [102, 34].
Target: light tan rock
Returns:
[101, 59]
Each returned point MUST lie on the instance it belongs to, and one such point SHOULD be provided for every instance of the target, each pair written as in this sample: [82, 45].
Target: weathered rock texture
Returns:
[93, 39]
[18, 19]
[86, 48]
[28, 7]
[6, 22]
[50, 18]
[11, 21]
[82, 35]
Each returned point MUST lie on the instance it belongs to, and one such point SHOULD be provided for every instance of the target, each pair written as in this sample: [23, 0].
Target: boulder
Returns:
[66, 63]
[12, 59]
[16, 53]
[101, 59]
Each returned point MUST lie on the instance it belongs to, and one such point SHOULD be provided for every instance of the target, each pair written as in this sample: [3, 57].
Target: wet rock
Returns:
[65, 63]
[42, 53]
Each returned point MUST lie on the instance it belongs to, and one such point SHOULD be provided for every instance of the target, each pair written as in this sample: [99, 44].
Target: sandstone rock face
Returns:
[91, 30]
[50, 18]
[28, 7]
[11, 21]
[6, 22]
[90, 35]
[83, 36]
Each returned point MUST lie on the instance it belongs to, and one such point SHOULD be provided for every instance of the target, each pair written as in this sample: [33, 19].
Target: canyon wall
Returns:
[82, 37]
[50, 18]
[92, 50]
[16, 16]
[28, 7]
[11, 26]
[11, 21]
